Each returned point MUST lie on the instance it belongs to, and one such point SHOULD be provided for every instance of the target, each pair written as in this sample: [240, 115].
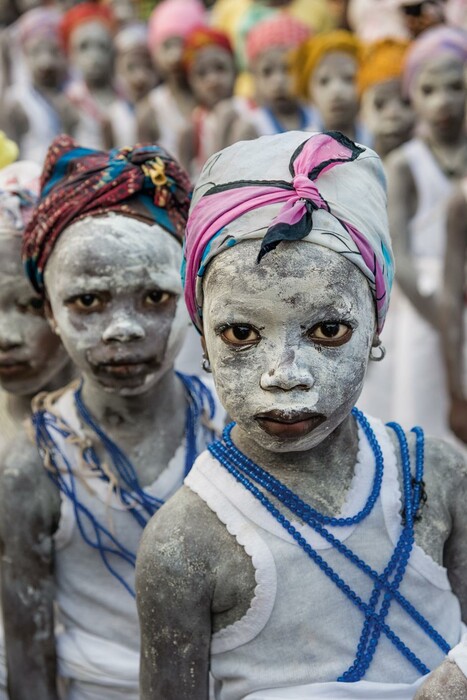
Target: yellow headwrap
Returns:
[311, 52]
[8, 150]
[381, 61]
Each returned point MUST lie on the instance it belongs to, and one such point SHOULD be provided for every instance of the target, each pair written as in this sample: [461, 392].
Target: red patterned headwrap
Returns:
[143, 182]
[201, 37]
[82, 13]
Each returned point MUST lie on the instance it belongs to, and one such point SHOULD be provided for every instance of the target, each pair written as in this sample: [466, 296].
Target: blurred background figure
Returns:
[37, 110]
[422, 175]
[87, 33]
[167, 109]
[386, 112]
[270, 45]
[326, 70]
[210, 70]
[135, 78]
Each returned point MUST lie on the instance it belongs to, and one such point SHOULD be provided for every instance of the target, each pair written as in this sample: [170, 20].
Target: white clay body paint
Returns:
[283, 298]
[114, 288]
[30, 353]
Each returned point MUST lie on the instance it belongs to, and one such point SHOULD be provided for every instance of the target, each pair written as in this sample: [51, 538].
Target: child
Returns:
[167, 109]
[299, 560]
[103, 249]
[326, 70]
[421, 177]
[87, 34]
[32, 358]
[37, 110]
[269, 47]
[209, 64]
[386, 113]
[137, 77]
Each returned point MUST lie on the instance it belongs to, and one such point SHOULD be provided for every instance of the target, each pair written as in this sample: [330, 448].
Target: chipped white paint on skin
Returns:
[287, 294]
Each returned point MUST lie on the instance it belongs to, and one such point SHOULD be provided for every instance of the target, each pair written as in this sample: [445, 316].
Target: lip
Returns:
[289, 425]
[124, 369]
[11, 367]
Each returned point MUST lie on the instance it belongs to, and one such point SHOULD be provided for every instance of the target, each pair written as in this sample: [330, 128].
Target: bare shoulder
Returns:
[397, 166]
[184, 523]
[26, 491]
[445, 467]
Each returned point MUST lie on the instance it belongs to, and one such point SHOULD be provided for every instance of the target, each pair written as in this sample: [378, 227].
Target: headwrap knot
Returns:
[142, 181]
[212, 225]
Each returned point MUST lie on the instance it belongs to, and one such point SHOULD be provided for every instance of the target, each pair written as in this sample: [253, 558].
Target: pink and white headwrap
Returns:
[431, 44]
[174, 18]
[323, 189]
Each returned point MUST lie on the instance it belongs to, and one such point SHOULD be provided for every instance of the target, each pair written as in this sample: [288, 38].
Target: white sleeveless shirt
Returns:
[98, 648]
[301, 632]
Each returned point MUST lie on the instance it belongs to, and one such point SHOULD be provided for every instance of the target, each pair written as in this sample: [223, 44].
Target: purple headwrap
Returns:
[430, 44]
[334, 196]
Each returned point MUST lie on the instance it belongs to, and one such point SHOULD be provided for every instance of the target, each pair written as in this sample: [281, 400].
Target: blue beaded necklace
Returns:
[246, 472]
[139, 503]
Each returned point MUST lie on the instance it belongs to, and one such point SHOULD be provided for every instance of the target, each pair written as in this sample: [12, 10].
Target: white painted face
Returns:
[439, 94]
[91, 51]
[31, 355]
[114, 289]
[288, 340]
[333, 89]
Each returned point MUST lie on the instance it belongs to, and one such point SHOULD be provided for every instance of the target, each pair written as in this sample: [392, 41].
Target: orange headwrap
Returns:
[84, 12]
[199, 38]
[381, 61]
[310, 54]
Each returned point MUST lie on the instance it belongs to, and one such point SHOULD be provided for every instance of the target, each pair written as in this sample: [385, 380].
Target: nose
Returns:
[123, 329]
[10, 335]
[287, 373]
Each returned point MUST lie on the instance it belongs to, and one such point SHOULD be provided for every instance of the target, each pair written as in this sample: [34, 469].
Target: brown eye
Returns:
[157, 297]
[240, 335]
[35, 305]
[86, 302]
[330, 333]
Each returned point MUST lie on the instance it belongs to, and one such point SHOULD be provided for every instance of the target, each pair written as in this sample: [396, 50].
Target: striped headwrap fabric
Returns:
[142, 181]
[320, 188]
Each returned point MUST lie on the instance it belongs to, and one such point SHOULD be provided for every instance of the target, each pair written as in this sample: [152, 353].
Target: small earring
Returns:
[377, 345]
[206, 365]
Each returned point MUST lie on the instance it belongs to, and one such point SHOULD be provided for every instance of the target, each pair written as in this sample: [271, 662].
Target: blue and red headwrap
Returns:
[143, 182]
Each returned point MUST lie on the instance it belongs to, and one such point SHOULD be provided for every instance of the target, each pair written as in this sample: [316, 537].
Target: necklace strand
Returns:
[241, 467]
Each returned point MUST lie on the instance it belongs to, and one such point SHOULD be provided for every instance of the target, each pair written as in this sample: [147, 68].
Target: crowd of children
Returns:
[302, 162]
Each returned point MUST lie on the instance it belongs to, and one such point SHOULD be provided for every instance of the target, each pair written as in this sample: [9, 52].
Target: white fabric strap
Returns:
[362, 690]
[458, 654]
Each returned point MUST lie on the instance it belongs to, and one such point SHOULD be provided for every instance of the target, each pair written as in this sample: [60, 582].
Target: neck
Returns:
[452, 138]
[347, 128]
[333, 455]
[113, 410]
[19, 407]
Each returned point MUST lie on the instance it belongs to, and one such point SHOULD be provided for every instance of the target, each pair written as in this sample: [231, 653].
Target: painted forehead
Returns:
[288, 273]
[113, 246]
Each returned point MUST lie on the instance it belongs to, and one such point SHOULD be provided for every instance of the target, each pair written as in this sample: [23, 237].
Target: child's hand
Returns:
[446, 681]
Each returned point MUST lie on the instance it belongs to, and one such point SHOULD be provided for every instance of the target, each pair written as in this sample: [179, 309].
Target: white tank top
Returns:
[99, 644]
[170, 120]
[44, 122]
[428, 227]
[301, 632]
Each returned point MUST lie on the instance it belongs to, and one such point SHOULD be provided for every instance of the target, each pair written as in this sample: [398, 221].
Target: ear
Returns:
[50, 317]
[203, 345]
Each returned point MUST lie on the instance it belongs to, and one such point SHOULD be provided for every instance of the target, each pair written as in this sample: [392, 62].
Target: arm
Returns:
[29, 508]
[146, 124]
[174, 586]
[14, 121]
[452, 311]
[448, 681]
[402, 197]
[186, 147]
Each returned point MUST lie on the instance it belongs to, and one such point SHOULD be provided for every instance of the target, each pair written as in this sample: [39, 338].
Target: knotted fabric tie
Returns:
[223, 204]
